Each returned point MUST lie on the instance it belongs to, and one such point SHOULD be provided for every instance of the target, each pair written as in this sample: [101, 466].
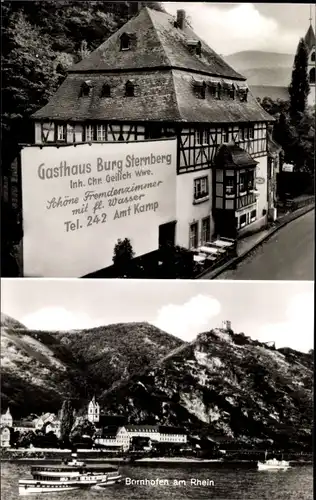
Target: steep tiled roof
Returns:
[162, 68]
[310, 38]
[159, 96]
[157, 43]
[142, 428]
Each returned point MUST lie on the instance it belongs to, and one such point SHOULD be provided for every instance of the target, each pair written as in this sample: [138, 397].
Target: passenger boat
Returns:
[67, 476]
[273, 464]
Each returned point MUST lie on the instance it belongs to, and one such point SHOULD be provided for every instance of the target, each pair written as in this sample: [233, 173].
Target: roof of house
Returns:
[310, 38]
[24, 423]
[141, 428]
[162, 68]
[165, 96]
[232, 156]
[158, 44]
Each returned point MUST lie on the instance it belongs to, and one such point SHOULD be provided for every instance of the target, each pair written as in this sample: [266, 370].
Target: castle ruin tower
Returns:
[93, 411]
[226, 325]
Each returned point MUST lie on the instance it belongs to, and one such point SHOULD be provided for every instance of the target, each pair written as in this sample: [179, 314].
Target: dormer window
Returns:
[218, 91]
[232, 91]
[199, 89]
[86, 88]
[196, 46]
[243, 95]
[106, 90]
[129, 89]
[125, 42]
[212, 88]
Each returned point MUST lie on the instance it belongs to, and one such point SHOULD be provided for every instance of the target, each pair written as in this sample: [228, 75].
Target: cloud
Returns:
[187, 320]
[297, 331]
[236, 28]
[58, 318]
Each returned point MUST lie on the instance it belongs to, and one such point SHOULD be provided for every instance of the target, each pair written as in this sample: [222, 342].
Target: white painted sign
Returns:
[79, 200]
[287, 167]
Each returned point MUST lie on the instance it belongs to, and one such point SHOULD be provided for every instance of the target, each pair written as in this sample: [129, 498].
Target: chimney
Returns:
[180, 18]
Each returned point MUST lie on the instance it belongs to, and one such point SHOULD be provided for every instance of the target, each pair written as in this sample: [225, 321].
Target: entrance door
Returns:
[225, 223]
[167, 234]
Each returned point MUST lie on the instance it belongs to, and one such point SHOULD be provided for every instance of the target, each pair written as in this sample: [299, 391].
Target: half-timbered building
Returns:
[155, 78]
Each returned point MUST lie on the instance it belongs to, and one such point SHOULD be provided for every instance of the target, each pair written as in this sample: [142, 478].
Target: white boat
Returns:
[68, 476]
[273, 464]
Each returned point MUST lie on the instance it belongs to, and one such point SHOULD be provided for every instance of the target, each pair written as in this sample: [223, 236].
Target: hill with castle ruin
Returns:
[223, 385]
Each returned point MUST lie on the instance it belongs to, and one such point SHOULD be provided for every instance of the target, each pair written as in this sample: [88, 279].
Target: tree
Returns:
[122, 258]
[25, 439]
[67, 421]
[299, 86]
[11, 235]
[83, 428]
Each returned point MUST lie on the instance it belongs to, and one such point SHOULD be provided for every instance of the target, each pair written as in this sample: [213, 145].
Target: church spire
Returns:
[310, 14]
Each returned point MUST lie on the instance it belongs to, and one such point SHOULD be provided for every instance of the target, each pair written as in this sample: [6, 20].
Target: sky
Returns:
[268, 311]
[234, 27]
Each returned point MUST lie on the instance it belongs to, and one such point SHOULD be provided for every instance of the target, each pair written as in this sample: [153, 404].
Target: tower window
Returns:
[313, 57]
[129, 89]
[312, 76]
[125, 42]
[106, 90]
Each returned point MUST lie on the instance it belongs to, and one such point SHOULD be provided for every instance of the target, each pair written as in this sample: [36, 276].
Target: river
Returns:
[223, 484]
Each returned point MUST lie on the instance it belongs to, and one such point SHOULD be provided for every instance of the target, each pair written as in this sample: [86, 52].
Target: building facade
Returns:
[156, 433]
[6, 419]
[93, 411]
[154, 79]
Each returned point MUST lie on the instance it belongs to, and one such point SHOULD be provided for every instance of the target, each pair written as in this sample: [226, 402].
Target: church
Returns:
[310, 41]
[155, 79]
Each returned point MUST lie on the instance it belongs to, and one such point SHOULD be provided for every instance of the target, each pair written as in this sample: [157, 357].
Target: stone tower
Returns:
[227, 325]
[93, 411]
[310, 41]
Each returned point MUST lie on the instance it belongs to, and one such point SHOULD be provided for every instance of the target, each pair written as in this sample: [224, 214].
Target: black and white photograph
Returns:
[112, 389]
[216, 101]
[157, 250]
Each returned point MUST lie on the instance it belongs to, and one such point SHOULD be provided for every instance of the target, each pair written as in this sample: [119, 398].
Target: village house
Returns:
[49, 423]
[5, 434]
[24, 425]
[155, 79]
[156, 433]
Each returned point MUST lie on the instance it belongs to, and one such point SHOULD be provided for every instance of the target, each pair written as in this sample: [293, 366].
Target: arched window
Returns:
[313, 57]
[312, 76]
